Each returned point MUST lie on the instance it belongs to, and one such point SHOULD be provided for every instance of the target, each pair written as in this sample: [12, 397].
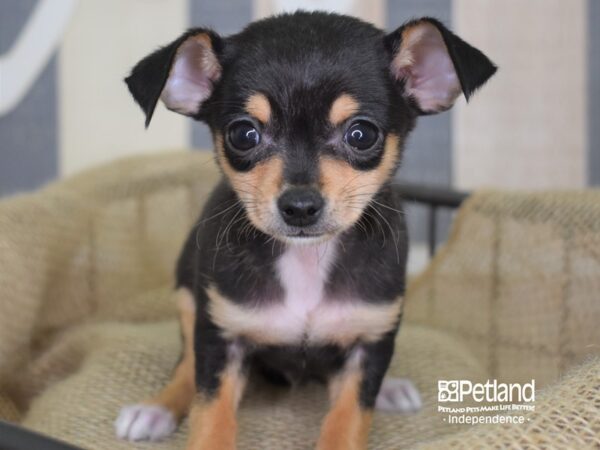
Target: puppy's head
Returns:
[309, 111]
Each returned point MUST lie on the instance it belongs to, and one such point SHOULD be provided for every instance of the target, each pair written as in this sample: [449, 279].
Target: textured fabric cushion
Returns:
[87, 321]
[125, 363]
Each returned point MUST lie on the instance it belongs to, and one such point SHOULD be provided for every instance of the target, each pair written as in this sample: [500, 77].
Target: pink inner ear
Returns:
[425, 66]
[192, 76]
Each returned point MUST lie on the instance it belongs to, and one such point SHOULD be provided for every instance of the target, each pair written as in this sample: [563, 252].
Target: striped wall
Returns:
[29, 130]
[528, 128]
[593, 91]
[536, 125]
[428, 156]
[98, 120]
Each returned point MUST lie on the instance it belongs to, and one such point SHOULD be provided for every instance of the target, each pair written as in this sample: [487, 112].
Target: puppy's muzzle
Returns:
[300, 206]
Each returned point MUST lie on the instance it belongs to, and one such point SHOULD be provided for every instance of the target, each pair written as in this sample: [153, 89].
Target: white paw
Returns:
[398, 395]
[144, 422]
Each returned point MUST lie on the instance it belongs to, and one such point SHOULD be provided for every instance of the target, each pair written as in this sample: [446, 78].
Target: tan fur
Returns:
[240, 321]
[345, 324]
[410, 37]
[259, 107]
[210, 63]
[348, 189]
[341, 323]
[257, 188]
[177, 395]
[344, 107]
[346, 426]
[207, 61]
[213, 422]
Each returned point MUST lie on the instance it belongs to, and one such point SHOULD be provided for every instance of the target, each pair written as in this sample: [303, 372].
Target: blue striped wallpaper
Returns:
[29, 133]
[225, 18]
[593, 80]
[428, 156]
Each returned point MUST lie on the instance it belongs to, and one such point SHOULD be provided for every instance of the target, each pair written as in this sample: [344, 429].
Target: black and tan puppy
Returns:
[297, 267]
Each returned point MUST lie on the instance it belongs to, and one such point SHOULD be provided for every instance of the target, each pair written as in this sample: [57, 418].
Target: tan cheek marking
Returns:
[351, 189]
[390, 157]
[344, 107]
[179, 392]
[346, 426]
[257, 187]
[259, 107]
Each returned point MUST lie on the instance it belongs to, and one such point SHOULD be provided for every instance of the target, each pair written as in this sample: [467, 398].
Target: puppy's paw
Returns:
[398, 395]
[145, 422]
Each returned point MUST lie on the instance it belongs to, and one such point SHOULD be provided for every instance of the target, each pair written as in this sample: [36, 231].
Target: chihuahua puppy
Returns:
[296, 268]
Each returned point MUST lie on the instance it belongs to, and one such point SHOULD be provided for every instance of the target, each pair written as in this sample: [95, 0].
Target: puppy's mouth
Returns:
[305, 234]
[304, 237]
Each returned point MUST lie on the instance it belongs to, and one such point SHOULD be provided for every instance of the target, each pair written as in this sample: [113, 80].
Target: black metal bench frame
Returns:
[434, 198]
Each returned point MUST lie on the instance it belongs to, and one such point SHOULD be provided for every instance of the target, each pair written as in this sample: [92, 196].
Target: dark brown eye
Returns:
[361, 135]
[243, 135]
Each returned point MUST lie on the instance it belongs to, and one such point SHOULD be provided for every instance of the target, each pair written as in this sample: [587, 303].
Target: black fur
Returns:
[240, 262]
[299, 364]
[210, 349]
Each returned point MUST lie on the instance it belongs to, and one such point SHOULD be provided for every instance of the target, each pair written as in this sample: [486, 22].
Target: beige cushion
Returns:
[87, 321]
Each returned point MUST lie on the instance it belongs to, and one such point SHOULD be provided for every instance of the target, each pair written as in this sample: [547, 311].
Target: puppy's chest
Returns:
[308, 313]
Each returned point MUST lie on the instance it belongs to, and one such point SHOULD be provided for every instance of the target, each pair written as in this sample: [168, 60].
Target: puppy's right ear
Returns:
[182, 74]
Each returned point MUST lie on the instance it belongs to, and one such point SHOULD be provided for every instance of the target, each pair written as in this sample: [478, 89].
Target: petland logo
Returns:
[497, 402]
[490, 391]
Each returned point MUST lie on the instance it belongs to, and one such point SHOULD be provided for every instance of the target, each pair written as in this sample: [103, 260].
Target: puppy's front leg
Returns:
[353, 393]
[220, 380]
[346, 426]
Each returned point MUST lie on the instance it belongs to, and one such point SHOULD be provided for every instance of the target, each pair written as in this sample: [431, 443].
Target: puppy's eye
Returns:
[361, 135]
[243, 135]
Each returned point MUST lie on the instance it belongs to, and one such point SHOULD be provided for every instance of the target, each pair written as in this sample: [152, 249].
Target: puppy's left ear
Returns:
[182, 74]
[434, 65]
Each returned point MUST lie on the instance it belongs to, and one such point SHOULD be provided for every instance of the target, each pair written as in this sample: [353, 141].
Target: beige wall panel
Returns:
[527, 127]
[98, 119]
[371, 11]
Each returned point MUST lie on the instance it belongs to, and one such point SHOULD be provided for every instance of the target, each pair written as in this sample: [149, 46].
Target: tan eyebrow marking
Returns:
[258, 106]
[342, 108]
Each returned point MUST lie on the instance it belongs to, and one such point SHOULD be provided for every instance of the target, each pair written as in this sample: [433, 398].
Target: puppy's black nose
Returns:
[300, 206]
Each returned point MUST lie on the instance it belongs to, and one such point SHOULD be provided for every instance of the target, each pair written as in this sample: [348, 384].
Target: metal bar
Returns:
[433, 195]
[432, 229]
[14, 437]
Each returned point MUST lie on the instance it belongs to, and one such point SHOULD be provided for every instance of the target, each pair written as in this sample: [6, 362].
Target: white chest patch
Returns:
[303, 272]
[305, 314]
